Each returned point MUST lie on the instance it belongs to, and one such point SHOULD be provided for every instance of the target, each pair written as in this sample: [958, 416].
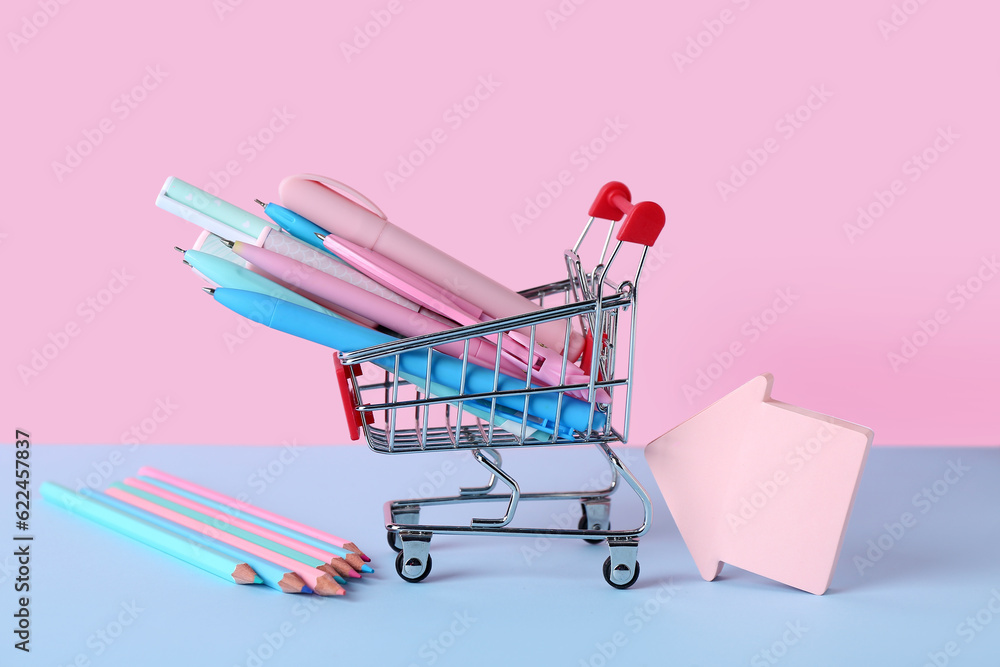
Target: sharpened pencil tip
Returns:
[209, 290]
[321, 237]
[261, 203]
[226, 242]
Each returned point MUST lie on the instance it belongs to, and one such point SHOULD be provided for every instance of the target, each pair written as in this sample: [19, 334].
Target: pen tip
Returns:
[321, 237]
[180, 250]
[261, 203]
[226, 242]
[186, 262]
[209, 290]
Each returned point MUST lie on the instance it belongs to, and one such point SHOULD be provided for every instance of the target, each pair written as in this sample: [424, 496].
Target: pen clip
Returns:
[344, 189]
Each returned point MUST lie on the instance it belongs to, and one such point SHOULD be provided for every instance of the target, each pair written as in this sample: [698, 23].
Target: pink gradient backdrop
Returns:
[159, 340]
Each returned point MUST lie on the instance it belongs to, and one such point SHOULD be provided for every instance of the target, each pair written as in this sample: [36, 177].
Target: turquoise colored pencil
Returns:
[351, 557]
[232, 530]
[272, 575]
[208, 559]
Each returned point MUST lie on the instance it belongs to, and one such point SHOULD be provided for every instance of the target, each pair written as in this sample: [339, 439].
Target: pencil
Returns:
[320, 582]
[208, 559]
[271, 574]
[255, 511]
[352, 559]
[247, 531]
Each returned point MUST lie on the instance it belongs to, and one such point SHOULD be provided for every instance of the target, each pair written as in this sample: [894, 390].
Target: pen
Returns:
[293, 223]
[346, 337]
[319, 199]
[356, 300]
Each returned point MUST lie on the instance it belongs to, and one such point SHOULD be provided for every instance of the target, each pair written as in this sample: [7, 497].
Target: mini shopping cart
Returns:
[399, 413]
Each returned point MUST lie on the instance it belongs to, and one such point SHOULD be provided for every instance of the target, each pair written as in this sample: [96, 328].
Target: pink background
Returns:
[154, 358]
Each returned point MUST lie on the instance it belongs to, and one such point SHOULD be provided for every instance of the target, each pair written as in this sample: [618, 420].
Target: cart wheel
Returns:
[414, 564]
[391, 538]
[582, 525]
[607, 575]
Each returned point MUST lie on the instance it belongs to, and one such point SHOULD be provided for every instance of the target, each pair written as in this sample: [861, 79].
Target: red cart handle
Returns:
[354, 417]
[643, 221]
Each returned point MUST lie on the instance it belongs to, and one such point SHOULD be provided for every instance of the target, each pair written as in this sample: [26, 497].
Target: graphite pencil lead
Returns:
[226, 242]
[261, 203]
[321, 237]
[209, 290]
[180, 250]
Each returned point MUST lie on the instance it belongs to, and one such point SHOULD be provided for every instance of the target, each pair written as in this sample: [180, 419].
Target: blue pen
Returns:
[447, 371]
[299, 227]
[271, 574]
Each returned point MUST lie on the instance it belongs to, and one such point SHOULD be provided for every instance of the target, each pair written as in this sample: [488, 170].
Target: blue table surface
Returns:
[926, 593]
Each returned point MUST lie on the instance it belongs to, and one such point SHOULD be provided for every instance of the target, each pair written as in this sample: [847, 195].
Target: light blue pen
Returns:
[445, 370]
[299, 227]
[225, 273]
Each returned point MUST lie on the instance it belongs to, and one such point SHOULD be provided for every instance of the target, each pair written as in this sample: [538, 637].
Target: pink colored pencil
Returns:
[255, 511]
[333, 559]
[319, 581]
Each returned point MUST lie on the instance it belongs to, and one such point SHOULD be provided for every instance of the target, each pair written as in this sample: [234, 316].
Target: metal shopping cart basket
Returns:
[406, 411]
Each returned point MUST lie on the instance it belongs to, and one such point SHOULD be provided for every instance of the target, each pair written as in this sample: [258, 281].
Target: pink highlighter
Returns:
[322, 201]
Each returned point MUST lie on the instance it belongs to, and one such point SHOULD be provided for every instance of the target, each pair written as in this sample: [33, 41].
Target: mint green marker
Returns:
[209, 212]
[206, 558]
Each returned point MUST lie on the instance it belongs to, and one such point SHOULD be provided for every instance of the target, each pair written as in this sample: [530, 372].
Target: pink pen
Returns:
[364, 303]
[322, 201]
[547, 363]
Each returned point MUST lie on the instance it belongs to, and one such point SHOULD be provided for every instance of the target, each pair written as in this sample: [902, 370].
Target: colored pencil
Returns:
[320, 582]
[271, 574]
[248, 531]
[255, 511]
[225, 529]
[352, 558]
[208, 559]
